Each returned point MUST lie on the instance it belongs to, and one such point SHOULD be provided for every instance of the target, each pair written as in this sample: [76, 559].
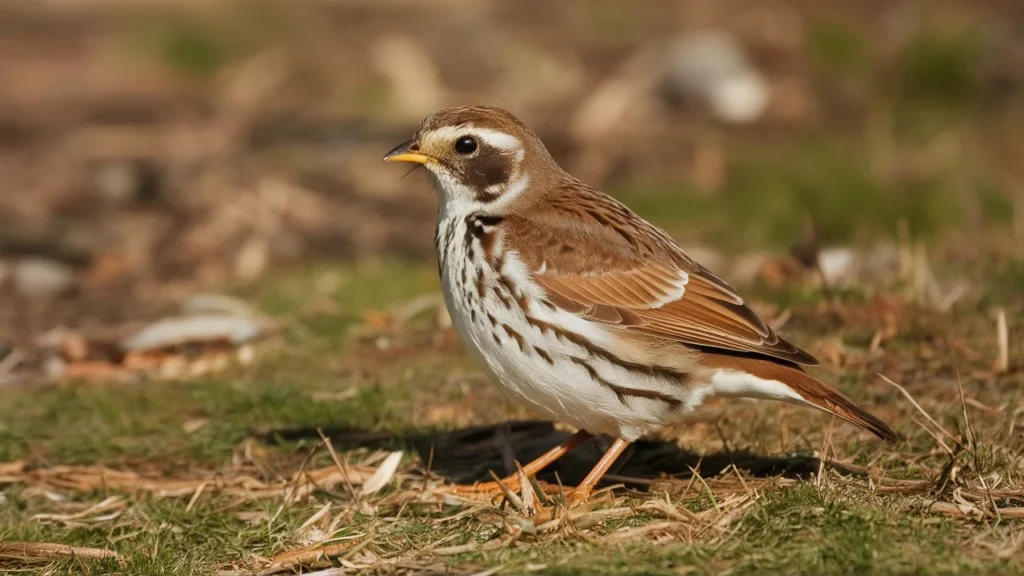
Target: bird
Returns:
[582, 310]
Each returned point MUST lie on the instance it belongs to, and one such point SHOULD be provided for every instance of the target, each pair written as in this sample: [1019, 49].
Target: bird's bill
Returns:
[402, 153]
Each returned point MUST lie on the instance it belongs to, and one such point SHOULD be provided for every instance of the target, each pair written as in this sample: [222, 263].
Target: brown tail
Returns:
[812, 390]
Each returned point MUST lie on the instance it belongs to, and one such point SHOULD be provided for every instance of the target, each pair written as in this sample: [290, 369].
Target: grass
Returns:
[258, 420]
[162, 537]
[772, 195]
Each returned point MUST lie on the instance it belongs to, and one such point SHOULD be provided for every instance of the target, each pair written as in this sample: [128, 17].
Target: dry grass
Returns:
[350, 477]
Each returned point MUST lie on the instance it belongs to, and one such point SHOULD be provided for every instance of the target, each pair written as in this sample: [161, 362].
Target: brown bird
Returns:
[581, 309]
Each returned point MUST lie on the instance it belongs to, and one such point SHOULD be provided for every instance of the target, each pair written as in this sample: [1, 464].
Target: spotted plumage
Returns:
[581, 309]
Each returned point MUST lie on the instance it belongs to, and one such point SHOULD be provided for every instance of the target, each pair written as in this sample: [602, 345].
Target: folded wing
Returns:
[597, 259]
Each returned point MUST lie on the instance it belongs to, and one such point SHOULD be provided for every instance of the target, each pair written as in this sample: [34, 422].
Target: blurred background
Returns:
[150, 150]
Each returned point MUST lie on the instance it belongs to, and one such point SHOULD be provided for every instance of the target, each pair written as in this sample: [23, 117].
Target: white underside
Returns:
[563, 389]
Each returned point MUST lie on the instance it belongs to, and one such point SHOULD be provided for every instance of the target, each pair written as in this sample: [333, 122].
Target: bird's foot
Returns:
[510, 489]
[511, 484]
[578, 496]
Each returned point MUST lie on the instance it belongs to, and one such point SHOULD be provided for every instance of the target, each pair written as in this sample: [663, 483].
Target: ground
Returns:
[741, 488]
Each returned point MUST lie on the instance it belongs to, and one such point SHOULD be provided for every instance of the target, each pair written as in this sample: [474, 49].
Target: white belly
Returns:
[551, 374]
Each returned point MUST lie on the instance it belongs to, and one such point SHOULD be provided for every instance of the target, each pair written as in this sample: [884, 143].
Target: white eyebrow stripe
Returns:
[497, 139]
[493, 138]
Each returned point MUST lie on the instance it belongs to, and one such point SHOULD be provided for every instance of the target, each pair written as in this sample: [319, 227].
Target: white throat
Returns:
[459, 200]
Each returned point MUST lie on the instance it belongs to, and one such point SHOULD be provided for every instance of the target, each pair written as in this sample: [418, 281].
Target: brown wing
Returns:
[599, 260]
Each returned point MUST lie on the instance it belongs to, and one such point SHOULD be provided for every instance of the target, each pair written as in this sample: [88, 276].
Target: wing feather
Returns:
[646, 284]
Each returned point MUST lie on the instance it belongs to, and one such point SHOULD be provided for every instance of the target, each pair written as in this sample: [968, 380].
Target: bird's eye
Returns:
[465, 145]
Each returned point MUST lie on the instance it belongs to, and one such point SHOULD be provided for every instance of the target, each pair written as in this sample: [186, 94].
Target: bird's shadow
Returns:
[468, 455]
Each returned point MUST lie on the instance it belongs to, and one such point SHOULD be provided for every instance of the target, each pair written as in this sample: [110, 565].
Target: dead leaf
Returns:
[176, 331]
[382, 477]
[831, 351]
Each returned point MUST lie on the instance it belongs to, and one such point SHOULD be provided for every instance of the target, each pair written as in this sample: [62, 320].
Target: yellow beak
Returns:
[404, 152]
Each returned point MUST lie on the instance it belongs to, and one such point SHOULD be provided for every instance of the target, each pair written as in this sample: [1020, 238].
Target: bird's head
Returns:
[480, 157]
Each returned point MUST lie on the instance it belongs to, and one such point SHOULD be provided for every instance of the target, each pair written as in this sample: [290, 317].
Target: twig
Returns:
[783, 429]
[714, 502]
[476, 546]
[514, 500]
[195, 497]
[780, 320]
[540, 491]
[920, 409]
[1002, 364]
[725, 443]
[370, 533]
[826, 444]
[316, 517]
[430, 464]
[29, 551]
[337, 462]
[963, 407]
[462, 514]
[953, 509]
[110, 508]
[629, 479]
[847, 467]
[306, 556]
[693, 476]
[585, 517]
[677, 513]
[935, 437]
[742, 481]
[288, 489]
[529, 497]
[973, 446]
[985, 407]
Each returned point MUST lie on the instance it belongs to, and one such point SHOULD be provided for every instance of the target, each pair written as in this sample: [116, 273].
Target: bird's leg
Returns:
[512, 482]
[579, 494]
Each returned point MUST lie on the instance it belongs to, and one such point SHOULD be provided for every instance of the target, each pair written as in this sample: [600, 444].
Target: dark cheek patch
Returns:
[487, 168]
